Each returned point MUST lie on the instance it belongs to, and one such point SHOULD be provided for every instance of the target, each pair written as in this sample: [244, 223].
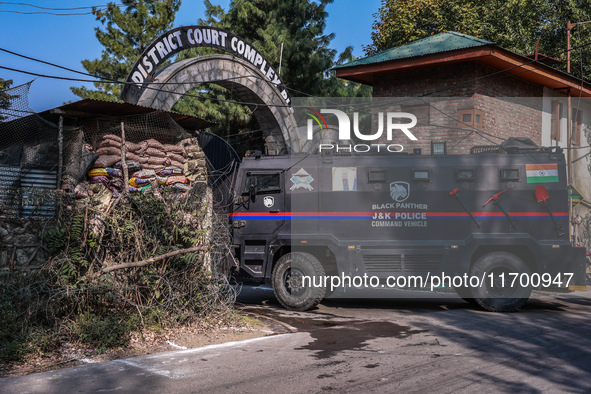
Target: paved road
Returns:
[442, 345]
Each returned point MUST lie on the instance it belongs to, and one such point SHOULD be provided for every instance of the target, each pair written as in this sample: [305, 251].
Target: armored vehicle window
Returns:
[465, 175]
[509, 174]
[265, 182]
[376, 176]
[421, 175]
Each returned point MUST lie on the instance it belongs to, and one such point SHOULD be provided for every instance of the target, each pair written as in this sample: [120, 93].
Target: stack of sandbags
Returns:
[108, 177]
[173, 177]
[151, 154]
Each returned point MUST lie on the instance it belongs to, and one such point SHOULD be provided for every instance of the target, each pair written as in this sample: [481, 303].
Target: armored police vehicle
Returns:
[491, 224]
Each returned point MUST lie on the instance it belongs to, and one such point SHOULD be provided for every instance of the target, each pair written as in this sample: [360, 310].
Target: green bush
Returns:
[106, 331]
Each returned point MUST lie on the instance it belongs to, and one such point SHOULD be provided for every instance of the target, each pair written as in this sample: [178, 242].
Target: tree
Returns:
[298, 25]
[512, 24]
[127, 32]
[306, 59]
[4, 96]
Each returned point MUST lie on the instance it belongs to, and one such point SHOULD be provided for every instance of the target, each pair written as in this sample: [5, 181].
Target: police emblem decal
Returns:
[269, 201]
[301, 180]
[399, 191]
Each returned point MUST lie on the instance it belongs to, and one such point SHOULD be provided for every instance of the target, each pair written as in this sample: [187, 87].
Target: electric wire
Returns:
[60, 9]
[473, 130]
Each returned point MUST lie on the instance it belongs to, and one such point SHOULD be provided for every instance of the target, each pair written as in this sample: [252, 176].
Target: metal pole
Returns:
[124, 161]
[60, 163]
[569, 26]
[280, 59]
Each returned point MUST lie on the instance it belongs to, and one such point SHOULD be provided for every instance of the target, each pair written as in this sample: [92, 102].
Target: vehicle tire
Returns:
[287, 281]
[466, 294]
[495, 295]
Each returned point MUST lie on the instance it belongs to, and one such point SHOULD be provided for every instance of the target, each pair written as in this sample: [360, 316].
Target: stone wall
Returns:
[22, 248]
[21, 245]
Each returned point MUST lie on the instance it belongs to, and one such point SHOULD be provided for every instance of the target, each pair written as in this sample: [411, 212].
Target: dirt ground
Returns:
[146, 342]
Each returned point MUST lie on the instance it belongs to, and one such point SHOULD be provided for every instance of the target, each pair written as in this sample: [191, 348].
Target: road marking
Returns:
[144, 363]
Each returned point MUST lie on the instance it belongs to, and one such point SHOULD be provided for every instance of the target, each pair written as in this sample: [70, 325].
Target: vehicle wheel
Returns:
[466, 294]
[495, 294]
[288, 282]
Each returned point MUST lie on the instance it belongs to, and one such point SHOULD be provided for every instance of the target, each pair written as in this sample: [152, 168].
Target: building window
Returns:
[576, 127]
[470, 118]
[438, 148]
[555, 121]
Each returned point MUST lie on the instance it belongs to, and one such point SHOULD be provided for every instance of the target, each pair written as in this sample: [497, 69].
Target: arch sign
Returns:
[186, 37]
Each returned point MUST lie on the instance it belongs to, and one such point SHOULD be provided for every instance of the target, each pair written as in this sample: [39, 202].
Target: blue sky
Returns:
[66, 40]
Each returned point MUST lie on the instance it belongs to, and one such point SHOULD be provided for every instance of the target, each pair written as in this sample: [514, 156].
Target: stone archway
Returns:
[247, 83]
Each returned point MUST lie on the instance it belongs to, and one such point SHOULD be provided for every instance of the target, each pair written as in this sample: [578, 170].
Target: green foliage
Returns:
[305, 63]
[512, 24]
[68, 301]
[126, 33]
[4, 96]
[102, 331]
[66, 241]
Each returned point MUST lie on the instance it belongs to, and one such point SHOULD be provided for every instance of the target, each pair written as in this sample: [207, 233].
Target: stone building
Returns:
[466, 91]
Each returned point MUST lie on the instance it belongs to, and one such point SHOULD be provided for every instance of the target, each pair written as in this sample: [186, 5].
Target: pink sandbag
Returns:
[112, 137]
[177, 164]
[162, 161]
[145, 174]
[106, 161]
[174, 149]
[132, 156]
[154, 152]
[110, 143]
[175, 157]
[152, 143]
[109, 150]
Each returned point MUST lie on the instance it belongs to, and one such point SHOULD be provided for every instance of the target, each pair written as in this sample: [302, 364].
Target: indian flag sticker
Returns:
[541, 173]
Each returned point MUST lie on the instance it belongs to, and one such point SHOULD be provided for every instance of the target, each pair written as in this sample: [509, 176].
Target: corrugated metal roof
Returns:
[93, 107]
[443, 42]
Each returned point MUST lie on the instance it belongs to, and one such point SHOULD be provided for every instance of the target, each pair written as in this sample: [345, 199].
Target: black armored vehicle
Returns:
[491, 224]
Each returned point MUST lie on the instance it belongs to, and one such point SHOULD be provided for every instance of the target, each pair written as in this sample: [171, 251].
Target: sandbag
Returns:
[176, 179]
[100, 171]
[174, 149]
[154, 152]
[139, 182]
[145, 174]
[132, 166]
[177, 164]
[162, 161]
[177, 158]
[106, 161]
[109, 144]
[152, 143]
[99, 179]
[132, 157]
[168, 171]
[114, 172]
[109, 150]
[144, 189]
[180, 187]
[112, 137]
